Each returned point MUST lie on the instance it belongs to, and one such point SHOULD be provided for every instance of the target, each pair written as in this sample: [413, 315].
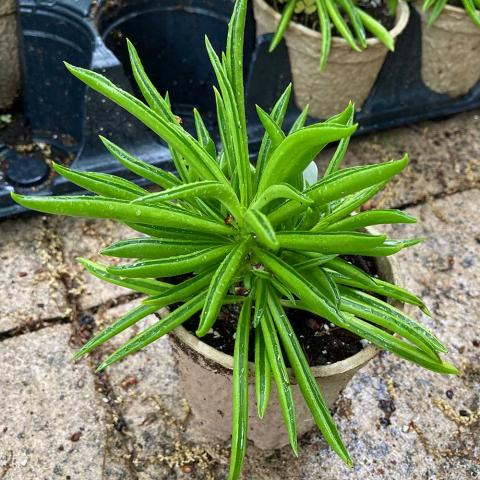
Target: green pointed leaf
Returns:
[101, 207]
[240, 391]
[219, 285]
[275, 133]
[170, 266]
[203, 136]
[371, 217]
[263, 374]
[306, 381]
[148, 286]
[101, 183]
[287, 14]
[155, 331]
[259, 224]
[282, 380]
[281, 190]
[260, 300]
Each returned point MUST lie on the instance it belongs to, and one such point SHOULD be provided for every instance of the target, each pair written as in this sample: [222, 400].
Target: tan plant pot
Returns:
[349, 75]
[206, 376]
[9, 62]
[450, 52]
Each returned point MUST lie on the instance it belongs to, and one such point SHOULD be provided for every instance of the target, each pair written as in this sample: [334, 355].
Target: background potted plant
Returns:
[331, 57]
[450, 45]
[258, 237]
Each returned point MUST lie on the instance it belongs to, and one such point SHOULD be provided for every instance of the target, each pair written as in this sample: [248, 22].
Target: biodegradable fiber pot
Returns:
[348, 75]
[450, 52]
[206, 376]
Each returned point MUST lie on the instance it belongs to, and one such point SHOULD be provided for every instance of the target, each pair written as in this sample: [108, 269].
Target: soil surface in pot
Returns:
[322, 342]
[378, 9]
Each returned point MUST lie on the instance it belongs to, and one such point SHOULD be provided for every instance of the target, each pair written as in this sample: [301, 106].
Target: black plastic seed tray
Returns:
[66, 118]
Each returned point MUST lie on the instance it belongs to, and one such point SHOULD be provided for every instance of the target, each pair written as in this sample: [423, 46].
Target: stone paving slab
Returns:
[51, 420]
[30, 279]
[444, 158]
[83, 237]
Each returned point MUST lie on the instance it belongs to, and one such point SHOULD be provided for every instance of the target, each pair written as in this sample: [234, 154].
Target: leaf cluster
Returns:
[226, 222]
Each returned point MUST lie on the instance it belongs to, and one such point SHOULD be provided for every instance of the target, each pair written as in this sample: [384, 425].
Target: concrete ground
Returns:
[59, 420]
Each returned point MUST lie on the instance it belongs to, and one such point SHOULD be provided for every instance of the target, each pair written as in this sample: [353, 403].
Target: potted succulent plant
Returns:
[332, 58]
[450, 45]
[260, 243]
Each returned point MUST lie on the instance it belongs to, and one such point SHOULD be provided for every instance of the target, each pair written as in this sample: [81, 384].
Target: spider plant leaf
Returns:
[281, 190]
[341, 149]
[297, 284]
[352, 12]
[143, 285]
[155, 101]
[143, 169]
[371, 217]
[281, 377]
[225, 136]
[341, 25]
[126, 321]
[274, 132]
[171, 266]
[263, 373]
[342, 183]
[338, 243]
[101, 207]
[182, 290]
[177, 138]
[278, 115]
[325, 31]
[260, 225]
[377, 29]
[203, 189]
[233, 122]
[394, 319]
[298, 150]
[386, 341]
[260, 300]
[306, 381]
[155, 331]
[101, 183]
[203, 135]
[287, 14]
[219, 285]
[149, 248]
[240, 391]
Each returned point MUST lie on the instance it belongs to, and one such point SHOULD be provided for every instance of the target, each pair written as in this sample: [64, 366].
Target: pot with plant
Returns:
[264, 244]
[336, 48]
[450, 45]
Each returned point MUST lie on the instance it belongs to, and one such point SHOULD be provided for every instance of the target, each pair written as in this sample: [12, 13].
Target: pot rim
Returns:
[401, 20]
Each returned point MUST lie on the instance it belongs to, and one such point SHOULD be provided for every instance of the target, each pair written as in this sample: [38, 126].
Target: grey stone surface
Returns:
[444, 158]
[84, 238]
[51, 420]
[30, 278]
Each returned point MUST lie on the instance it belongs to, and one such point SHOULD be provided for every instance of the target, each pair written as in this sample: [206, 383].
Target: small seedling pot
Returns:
[348, 75]
[450, 52]
[9, 59]
[206, 376]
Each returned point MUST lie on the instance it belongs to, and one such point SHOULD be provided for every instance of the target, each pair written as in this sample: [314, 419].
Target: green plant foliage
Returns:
[349, 20]
[435, 8]
[225, 223]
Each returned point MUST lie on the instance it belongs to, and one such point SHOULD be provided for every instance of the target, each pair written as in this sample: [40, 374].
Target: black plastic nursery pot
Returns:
[65, 118]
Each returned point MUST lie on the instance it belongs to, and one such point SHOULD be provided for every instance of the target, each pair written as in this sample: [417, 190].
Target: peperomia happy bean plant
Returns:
[436, 7]
[349, 19]
[225, 222]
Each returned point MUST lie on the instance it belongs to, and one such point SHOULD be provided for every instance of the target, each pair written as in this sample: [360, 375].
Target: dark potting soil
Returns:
[378, 9]
[322, 342]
